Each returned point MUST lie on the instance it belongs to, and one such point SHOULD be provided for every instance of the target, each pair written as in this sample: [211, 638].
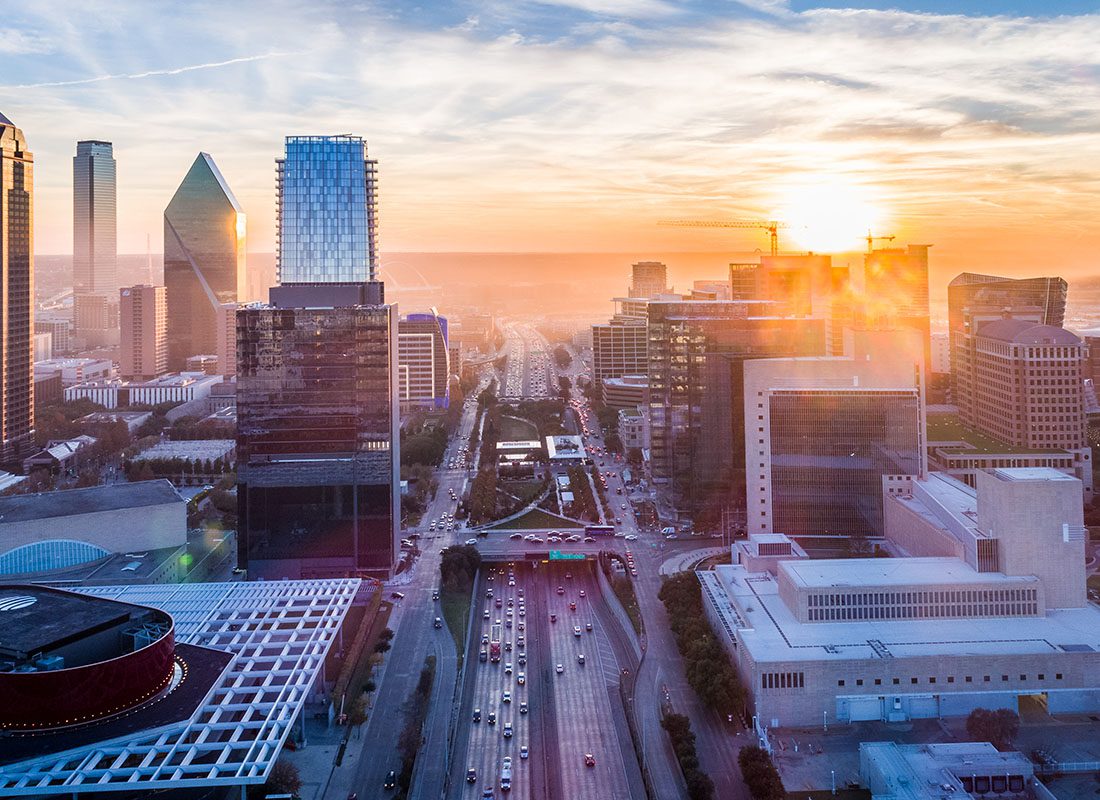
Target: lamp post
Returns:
[825, 721]
[832, 774]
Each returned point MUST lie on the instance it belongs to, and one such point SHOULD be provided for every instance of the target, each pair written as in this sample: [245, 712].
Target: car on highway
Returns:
[492, 718]
[489, 592]
[588, 626]
[583, 594]
[576, 630]
[487, 794]
[515, 536]
[589, 760]
[507, 730]
[507, 667]
[522, 611]
[471, 775]
[522, 659]
[438, 623]
[391, 780]
[580, 659]
[521, 679]
[572, 605]
[630, 537]
[561, 590]
[559, 669]
[506, 697]
[523, 707]
[471, 542]
[435, 594]
[477, 715]
[553, 617]
[524, 752]
[486, 614]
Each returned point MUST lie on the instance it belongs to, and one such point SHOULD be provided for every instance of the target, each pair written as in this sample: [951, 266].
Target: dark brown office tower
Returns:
[318, 433]
[16, 296]
[204, 259]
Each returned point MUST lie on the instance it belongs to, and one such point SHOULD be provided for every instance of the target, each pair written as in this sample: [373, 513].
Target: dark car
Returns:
[477, 715]
[471, 775]
[391, 780]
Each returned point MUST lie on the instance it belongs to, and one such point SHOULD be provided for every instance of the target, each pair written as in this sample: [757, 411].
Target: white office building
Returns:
[986, 608]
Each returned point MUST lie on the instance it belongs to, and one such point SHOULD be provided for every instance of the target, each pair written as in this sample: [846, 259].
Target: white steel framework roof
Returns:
[278, 633]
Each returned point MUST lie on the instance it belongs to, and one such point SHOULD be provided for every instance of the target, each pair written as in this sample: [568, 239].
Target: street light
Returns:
[825, 721]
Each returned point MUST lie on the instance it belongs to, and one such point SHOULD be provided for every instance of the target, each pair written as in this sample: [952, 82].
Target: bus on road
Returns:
[494, 643]
[599, 530]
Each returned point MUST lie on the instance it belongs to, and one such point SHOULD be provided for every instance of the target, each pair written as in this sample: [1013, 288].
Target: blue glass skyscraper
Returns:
[326, 211]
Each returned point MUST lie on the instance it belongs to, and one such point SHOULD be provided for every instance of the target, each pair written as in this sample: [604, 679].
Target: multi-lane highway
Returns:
[529, 371]
[572, 750]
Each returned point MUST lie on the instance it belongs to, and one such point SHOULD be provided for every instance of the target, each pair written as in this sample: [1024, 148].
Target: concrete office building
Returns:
[629, 391]
[327, 211]
[60, 332]
[43, 346]
[697, 352]
[619, 348]
[952, 771]
[143, 320]
[318, 433]
[923, 635]
[424, 363]
[95, 254]
[634, 428]
[648, 279]
[823, 434]
[1022, 383]
[17, 296]
[204, 259]
[76, 370]
[226, 343]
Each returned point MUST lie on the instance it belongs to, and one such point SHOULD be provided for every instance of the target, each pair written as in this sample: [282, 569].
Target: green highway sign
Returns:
[558, 555]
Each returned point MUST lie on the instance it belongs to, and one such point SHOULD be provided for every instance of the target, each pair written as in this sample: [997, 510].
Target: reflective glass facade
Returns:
[830, 449]
[16, 296]
[95, 255]
[697, 352]
[204, 259]
[326, 211]
[317, 440]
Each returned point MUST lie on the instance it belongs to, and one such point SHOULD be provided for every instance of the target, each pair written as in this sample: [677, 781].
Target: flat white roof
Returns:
[771, 633]
[558, 447]
[854, 573]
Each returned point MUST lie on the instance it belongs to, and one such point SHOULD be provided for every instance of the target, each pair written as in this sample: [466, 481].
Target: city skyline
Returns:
[645, 114]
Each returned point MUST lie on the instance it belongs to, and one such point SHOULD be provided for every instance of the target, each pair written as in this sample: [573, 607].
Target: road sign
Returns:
[558, 555]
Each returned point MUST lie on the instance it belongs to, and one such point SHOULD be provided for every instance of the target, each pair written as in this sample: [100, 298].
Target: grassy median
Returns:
[456, 613]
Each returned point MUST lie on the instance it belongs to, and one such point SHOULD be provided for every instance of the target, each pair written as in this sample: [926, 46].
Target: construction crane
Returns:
[872, 239]
[771, 226]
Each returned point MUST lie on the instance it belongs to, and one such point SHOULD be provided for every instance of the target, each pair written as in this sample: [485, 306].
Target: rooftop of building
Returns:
[630, 413]
[639, 381]
[1019, 331]
[853, 573]
[771, 633]
[37, 619]
[950, 429]
[68, 363]
[112, 416]
[91, 500]
[188, 448]
[169, 380]
[932, 771]
[565, 447]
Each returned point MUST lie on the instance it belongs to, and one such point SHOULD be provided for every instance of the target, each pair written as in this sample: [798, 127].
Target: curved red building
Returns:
[68, 659]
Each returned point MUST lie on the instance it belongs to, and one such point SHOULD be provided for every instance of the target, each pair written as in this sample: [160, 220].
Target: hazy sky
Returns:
[577, 125]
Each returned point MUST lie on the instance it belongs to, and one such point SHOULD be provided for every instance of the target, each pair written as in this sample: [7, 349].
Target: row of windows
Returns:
[782, 680]
[924, 612]
[951, 679]
[943, 596]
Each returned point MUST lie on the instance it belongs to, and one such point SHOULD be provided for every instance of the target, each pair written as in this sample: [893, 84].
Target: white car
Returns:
[576, 630]
[559, 669]
[506, 697]
[630, 537]
[524, 752]
[471, 542]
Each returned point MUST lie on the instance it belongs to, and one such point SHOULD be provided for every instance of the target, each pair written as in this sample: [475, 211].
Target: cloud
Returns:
[147, 73]
[497, 137]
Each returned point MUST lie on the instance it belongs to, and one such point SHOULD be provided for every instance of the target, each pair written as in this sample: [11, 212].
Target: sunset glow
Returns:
[829, 217]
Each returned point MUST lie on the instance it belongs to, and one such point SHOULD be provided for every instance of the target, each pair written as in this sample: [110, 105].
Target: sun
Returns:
[829, 217]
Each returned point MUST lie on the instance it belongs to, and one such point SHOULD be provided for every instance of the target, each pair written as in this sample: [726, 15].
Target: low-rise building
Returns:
[60, 456]
[951, 771]
[202, 450]
[176, 387]
[634, 428]
[565, 450]
[628, 391]
[76, 370]
[924, 636]
[133, 419]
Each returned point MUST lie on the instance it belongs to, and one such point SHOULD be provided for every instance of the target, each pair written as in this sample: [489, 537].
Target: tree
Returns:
[87, 477]
[386, 635]
[998, 727]
[357, 713]
[382, 647]
[284, 779]
[760, 774]
[634, 456]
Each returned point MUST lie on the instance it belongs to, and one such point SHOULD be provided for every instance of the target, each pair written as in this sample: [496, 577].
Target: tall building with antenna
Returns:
[95, 250]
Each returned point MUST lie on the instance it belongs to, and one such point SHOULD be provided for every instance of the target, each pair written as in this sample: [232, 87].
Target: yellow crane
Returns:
[771, 226]
[872, 239]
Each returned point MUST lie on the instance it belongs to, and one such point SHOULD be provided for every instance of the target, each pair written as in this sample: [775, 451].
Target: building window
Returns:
[878, 681]
[931, 680]
[1004, 679]
[897, 681]
[840, 683]
[859, 681]
[912, 680]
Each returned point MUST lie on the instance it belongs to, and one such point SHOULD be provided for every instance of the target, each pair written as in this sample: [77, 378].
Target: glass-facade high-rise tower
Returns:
[16, 295]
[95, 250]
[326, 210]
[204, 259]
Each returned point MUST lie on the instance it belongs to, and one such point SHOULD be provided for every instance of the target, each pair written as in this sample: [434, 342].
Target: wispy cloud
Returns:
[146, 74]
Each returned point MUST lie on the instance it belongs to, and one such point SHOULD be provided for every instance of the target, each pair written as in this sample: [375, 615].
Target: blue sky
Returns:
[577, 124]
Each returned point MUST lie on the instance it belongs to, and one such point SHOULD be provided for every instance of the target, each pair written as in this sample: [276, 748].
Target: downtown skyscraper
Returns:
[318, 434]
[16, 294]
[204, 259]
[327, 211]
[95, 249]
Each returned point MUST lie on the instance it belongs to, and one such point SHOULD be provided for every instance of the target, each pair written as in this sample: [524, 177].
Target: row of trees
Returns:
[760, 774]
[422, 443]
[481, 503]
[707, 664]
[699, 784]
[458, 567]
[412, 736]
[584, 504]
[562, 357]
[149, 468]
[598, 482]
